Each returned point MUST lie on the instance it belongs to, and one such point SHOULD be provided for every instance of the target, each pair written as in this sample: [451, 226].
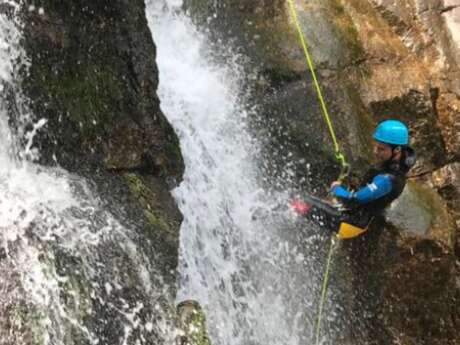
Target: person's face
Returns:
[382, 152]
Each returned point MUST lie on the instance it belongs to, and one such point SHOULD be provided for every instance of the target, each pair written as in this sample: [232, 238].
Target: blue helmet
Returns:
[392, 132]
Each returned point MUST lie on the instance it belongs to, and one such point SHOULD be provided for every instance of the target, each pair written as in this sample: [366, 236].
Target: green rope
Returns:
[334, 242]
[338, 154]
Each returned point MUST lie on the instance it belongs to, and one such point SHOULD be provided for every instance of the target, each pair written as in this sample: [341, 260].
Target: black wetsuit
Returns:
[361, 214]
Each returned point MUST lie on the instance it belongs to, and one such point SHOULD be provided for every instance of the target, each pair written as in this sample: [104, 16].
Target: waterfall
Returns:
[241, 258]
[71, 272]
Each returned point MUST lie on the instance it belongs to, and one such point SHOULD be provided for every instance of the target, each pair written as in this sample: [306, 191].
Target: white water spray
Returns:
[236, 257]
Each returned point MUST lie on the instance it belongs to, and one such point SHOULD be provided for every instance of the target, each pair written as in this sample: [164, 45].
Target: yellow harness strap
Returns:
[347, 231]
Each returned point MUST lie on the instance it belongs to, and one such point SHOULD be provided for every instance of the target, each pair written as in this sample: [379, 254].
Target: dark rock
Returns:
[94, 79]
[420, 299]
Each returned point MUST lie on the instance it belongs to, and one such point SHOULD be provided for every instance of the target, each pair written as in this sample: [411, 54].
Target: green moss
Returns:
[26, 317]
[197, 329]
[335, 7]
[137, 186]
[354, 45]
[84, 96]
[173, 151]
[193, 323]
[146, 197]
[157, 221]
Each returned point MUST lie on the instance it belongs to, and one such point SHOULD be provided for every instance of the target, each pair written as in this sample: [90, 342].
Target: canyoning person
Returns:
[357, 215]
[384, 182]
[354, 209]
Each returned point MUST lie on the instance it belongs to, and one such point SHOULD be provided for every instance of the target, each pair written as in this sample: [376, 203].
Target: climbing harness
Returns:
[347, 231]
[338, 153]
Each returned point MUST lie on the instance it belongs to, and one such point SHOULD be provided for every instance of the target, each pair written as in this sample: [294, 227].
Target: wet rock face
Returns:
[448, 110]
[94, 79]
[14, 310]
[429, 37]
[421, 308]
[280, 82]
[375, 60]
[447, 182]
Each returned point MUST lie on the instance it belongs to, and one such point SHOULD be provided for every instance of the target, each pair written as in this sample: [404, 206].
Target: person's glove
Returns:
[299, 206]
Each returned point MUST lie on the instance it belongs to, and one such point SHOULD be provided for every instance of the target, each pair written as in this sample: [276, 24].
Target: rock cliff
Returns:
[93, 78]
[92, 75]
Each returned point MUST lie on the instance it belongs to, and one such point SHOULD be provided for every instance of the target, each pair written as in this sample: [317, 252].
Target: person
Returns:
[380, 186]
[362, 209]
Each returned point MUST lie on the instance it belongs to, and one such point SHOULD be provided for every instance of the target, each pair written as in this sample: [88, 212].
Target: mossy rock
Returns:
[149, 203]
[93, 77]
[192, 322]
[161, 218]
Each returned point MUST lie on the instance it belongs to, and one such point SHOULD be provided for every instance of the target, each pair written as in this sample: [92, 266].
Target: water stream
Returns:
[240, 255]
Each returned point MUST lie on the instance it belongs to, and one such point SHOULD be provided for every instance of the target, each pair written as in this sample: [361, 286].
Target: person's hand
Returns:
[299, 206]
[334, 184]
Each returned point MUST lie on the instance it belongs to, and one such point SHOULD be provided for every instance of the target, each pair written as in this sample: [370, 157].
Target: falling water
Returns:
[71, 273]
[240, 258]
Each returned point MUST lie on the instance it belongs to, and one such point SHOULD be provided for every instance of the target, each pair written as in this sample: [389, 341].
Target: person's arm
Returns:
[380, 186]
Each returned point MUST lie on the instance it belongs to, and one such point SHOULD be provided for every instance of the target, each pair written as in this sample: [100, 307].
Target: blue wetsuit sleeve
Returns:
[380, 186]
[341, 192]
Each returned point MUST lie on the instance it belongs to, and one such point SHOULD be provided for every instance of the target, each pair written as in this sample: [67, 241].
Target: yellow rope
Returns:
[338, 154]
[334, 242]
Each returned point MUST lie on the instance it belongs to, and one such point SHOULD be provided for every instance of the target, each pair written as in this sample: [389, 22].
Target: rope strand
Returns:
[338, 153]
[334, 242]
